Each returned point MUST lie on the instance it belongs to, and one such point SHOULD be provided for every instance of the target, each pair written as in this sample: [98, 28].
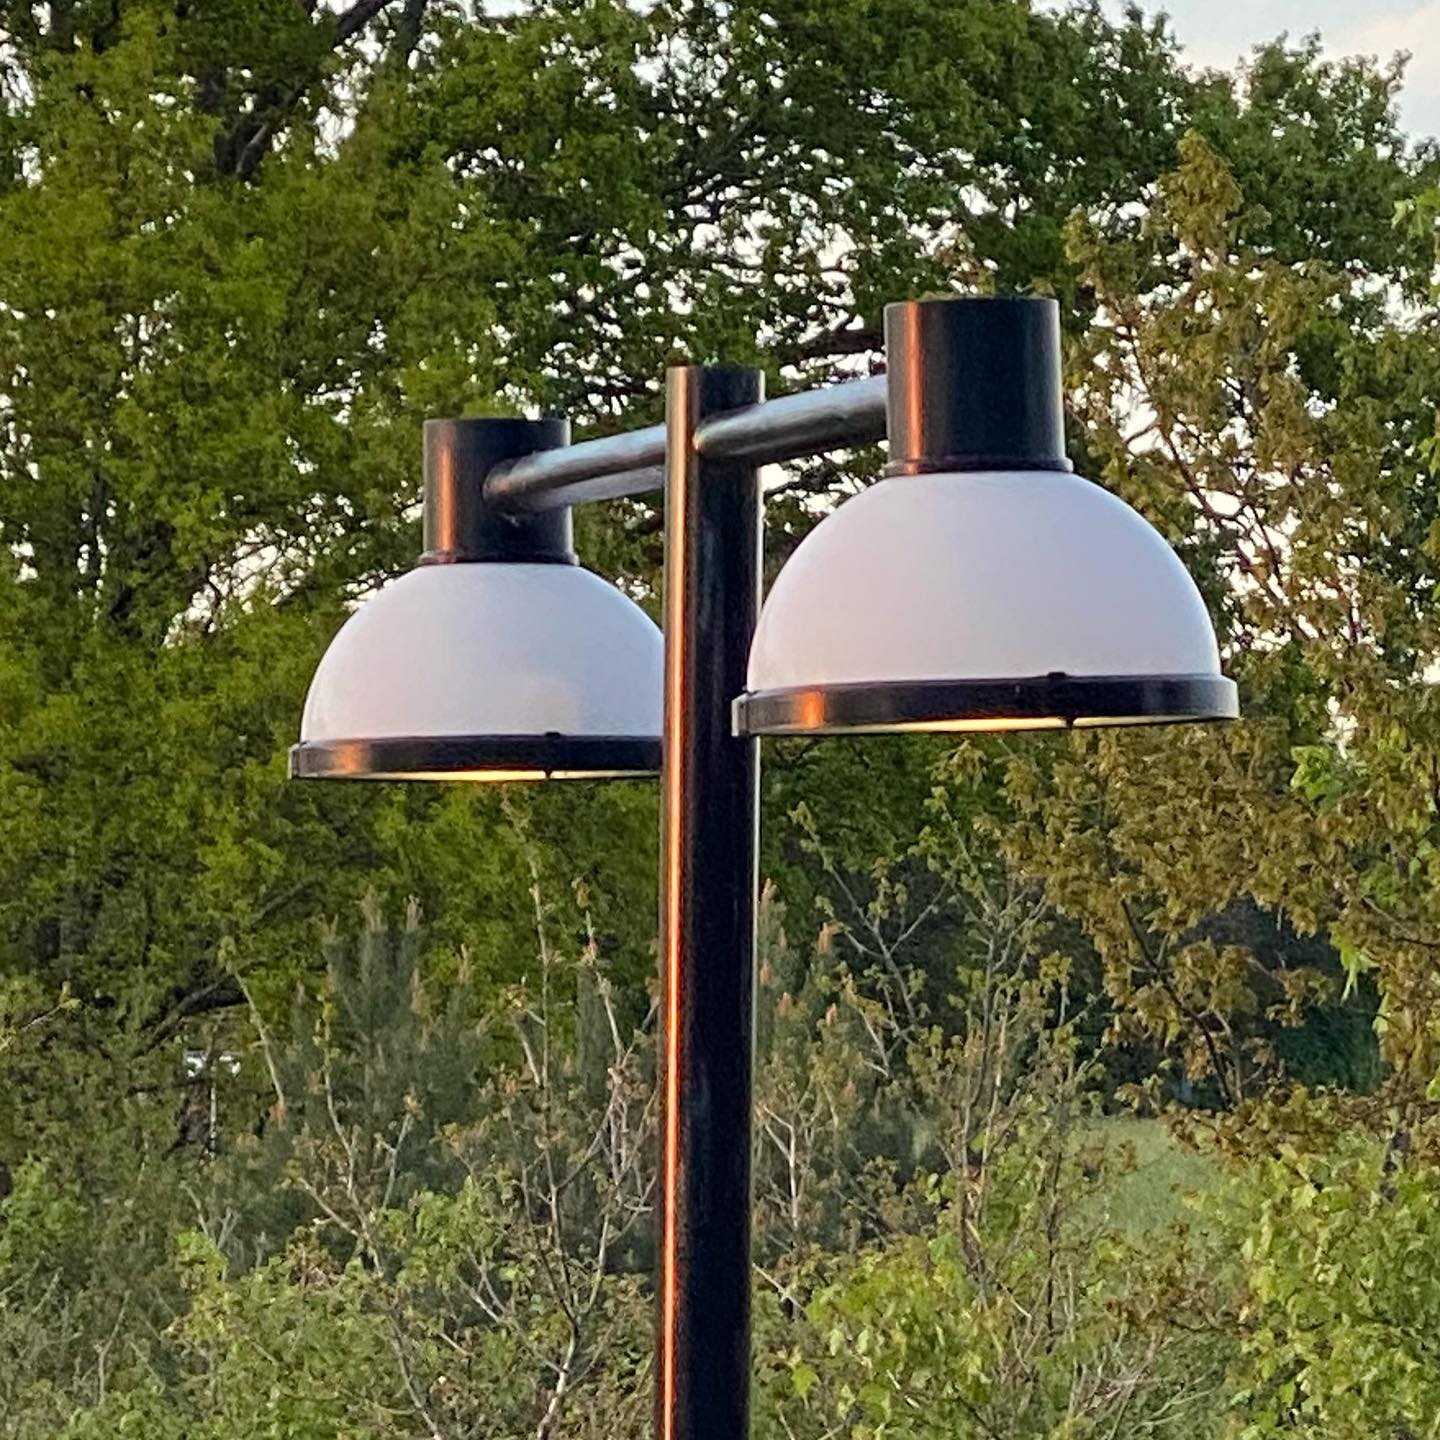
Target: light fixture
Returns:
[498, 657]
[982, 585]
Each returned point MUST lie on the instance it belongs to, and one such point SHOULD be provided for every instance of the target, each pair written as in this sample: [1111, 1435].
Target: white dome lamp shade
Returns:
[981, 585]
[497, 658]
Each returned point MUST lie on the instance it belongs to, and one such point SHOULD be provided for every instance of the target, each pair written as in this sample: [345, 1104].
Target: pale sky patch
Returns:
[1414, 28]
[1220, 32]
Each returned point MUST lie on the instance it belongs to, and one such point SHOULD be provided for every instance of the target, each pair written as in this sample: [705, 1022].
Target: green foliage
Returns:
[399, 1184]
[245, 253]
[1342, 1290]
[1011, 1313]
[412, 1247]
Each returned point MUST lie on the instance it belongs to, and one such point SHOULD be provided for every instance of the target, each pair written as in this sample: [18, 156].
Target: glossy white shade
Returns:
[980, 577]
[540, 652]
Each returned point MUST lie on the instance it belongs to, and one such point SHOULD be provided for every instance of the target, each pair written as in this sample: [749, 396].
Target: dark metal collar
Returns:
[1060, 700]
[477, 757]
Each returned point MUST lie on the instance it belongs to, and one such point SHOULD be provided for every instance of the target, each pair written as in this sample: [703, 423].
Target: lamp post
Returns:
[979, 586]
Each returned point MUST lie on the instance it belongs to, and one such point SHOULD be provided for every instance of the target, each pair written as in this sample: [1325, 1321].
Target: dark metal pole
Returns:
[710, 811]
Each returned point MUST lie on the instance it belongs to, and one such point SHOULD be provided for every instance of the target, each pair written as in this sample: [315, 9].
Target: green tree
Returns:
[1273, 417]
[247, 251]
[244, 250]
[1334, 1216]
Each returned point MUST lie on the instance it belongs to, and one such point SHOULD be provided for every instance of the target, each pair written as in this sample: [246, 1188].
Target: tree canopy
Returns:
[252, 1145]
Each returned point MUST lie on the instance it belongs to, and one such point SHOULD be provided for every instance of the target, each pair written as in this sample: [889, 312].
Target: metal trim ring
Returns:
[1064, 700]
[438, 757]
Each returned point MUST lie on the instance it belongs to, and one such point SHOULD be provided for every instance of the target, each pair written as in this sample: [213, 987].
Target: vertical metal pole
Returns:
[710, 811]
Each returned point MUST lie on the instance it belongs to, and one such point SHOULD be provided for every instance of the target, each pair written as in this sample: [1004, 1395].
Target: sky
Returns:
[1217, 32]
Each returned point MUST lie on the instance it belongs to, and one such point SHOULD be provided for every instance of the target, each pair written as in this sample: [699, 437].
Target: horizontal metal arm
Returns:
[604, 469]
[807, 423]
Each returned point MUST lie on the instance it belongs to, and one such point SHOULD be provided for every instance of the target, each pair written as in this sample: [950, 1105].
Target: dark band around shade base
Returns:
[471, 757]
[1058, 700]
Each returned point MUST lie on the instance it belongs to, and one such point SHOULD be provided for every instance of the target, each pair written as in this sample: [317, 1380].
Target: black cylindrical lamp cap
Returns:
[974, 384]
[459, 525]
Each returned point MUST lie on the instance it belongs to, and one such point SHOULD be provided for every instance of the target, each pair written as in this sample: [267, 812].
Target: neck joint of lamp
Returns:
[460, 528]
[974, 383]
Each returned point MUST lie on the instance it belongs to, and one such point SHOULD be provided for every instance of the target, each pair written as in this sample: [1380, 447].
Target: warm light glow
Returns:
[498, 776]
[973, 725]
[490, 776]
[976, 724]
[990, 724]
[812, 711]
[1094, 722]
